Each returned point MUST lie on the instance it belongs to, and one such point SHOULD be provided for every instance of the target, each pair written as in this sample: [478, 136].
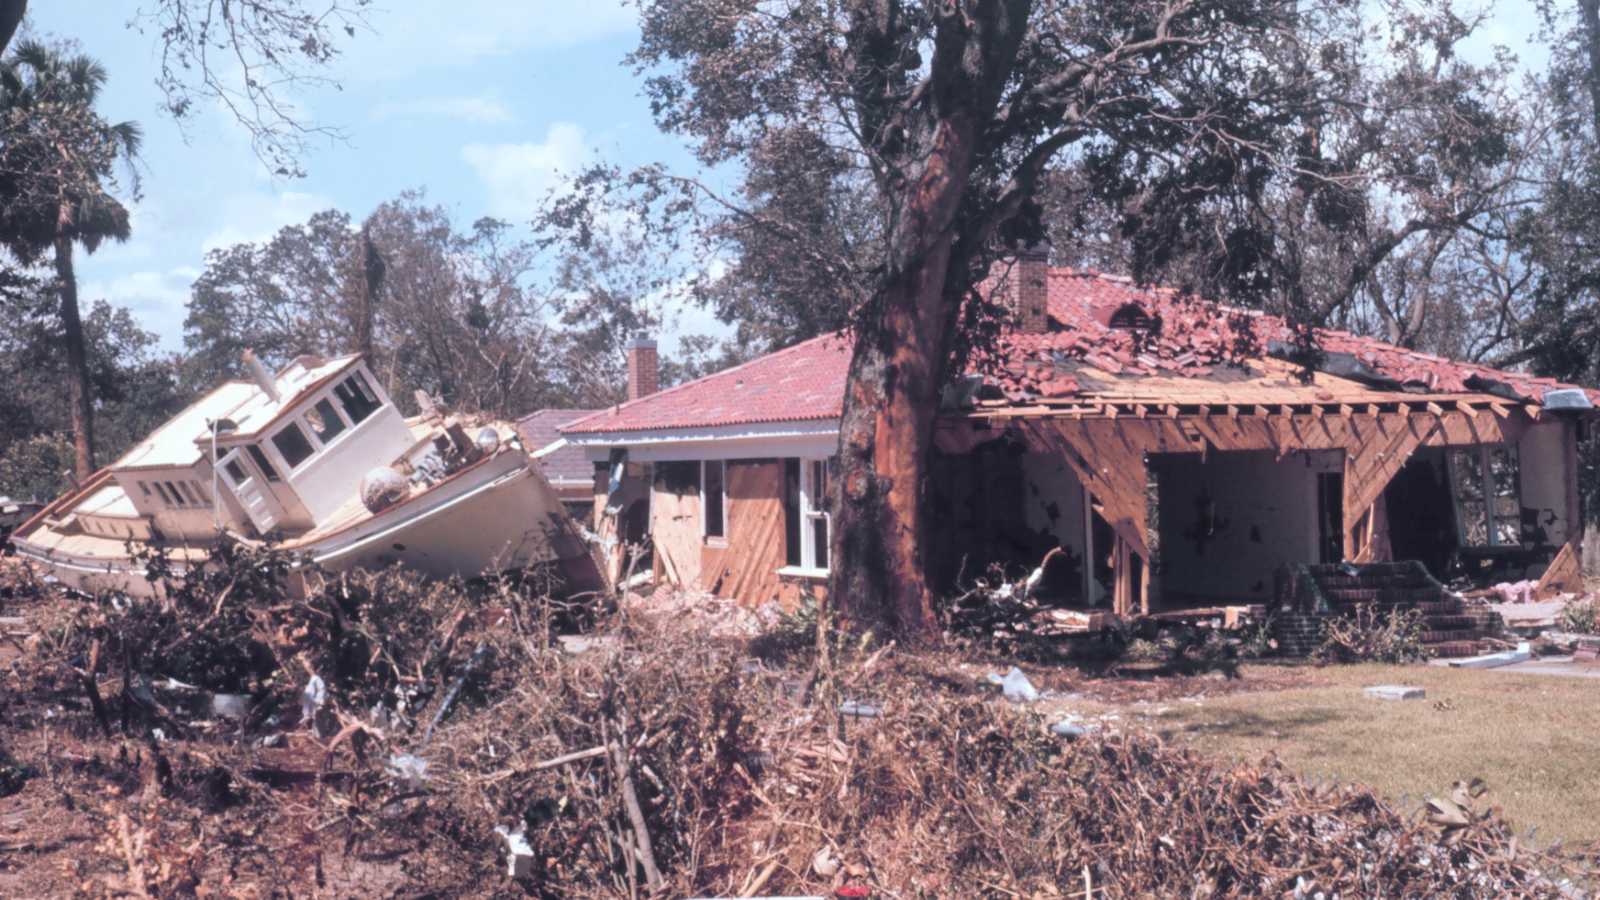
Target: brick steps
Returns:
[1450, 627]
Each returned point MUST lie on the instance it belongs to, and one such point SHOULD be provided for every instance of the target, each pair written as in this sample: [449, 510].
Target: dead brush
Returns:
[962, 796]
[660, 763]
[1369, 633]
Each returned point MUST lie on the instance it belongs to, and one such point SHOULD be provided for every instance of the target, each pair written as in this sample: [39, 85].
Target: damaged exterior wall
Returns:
[1542, 453]
[1230, 520]
[675, 527]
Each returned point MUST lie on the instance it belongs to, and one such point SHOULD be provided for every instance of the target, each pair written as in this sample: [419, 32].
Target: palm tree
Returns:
[57, 159]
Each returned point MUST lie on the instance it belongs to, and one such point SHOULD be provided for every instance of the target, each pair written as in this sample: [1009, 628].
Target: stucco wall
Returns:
[1228, 523]
[1053, 499]
[1542, 456]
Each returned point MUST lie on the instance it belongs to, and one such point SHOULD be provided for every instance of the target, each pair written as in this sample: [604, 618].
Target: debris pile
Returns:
[385, 733]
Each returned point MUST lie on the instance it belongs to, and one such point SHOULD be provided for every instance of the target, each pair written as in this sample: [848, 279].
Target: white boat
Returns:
[318, 461]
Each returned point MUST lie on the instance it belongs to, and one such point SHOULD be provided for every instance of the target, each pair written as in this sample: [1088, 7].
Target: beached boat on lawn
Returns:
[318, 461]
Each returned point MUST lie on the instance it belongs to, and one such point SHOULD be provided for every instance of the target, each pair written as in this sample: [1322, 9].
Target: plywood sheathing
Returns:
[675, 529]
[746, 569]
[1371, 462]
[1565, 573]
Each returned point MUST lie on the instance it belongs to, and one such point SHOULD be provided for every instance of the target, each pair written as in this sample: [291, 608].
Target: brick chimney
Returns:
[1027, 287]
[644, 368]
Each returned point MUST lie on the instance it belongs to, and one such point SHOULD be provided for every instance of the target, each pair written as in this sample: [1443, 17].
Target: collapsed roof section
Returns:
[1107, 332]
[1108, 342]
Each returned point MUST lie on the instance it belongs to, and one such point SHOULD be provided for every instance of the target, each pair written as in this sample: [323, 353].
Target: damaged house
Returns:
[1165, 444]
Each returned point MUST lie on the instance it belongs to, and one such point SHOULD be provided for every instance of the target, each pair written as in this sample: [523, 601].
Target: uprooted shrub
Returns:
[1369, 633]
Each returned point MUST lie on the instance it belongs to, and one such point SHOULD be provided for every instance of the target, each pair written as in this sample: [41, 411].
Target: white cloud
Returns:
[158, 299]
[480, 110]
[518, 176]
[257, 216]
[461, 32]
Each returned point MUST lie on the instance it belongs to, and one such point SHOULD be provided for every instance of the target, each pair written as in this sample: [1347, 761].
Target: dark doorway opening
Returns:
[1330, 516]
[1421, 513]
[636, 536]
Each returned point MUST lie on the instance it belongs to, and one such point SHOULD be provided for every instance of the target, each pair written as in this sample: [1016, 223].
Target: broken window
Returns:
[324, 421]
[261, 462]
[357, 397]
[293, 445]
[1485, 483]
[713, 497]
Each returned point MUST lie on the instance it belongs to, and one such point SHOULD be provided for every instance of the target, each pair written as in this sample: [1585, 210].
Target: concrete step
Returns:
[1457, 649]
[1450, 635]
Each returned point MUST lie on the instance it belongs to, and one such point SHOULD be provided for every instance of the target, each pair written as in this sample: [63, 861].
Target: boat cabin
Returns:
[288, 450]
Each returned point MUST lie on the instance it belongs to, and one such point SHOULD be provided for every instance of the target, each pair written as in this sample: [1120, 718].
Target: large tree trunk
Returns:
[1589, 12]
[877, 572]
[11, 13]
[77, 363]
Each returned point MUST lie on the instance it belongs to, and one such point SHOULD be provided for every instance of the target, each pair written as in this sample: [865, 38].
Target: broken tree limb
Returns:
[579, 756]
[630, 800]
[86, 678]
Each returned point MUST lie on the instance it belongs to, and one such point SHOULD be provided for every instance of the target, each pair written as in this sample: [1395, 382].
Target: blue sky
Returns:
[483, 103]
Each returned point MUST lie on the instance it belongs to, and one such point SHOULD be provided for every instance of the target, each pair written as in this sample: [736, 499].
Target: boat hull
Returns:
[497, 515]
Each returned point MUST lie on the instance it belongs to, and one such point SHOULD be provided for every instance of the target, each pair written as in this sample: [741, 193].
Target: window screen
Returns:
[236, 472]
[791, 513]
[293, 445]
[324, 420]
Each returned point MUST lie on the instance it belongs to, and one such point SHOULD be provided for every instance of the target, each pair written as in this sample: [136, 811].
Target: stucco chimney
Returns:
[1028, 289]
[644, 368]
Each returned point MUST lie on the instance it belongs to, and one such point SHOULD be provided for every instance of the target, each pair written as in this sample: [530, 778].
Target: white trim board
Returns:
[759, 441]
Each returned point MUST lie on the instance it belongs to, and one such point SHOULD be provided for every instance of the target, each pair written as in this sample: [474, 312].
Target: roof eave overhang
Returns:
[754, 440]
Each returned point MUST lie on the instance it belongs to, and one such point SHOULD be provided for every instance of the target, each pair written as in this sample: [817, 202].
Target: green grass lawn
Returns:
[1534, 740]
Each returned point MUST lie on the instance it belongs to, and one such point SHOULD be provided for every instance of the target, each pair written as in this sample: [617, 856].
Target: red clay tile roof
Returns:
[804, 382]
[1194, 338]
[541, 428]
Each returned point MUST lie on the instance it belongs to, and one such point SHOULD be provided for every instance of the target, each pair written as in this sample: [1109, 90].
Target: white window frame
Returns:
[715, 539]
[339, 416]
[810, 511]
[305, 432]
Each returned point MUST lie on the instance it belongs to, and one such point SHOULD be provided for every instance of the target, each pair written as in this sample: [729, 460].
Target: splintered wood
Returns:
[1107, 452]
[675, 528]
